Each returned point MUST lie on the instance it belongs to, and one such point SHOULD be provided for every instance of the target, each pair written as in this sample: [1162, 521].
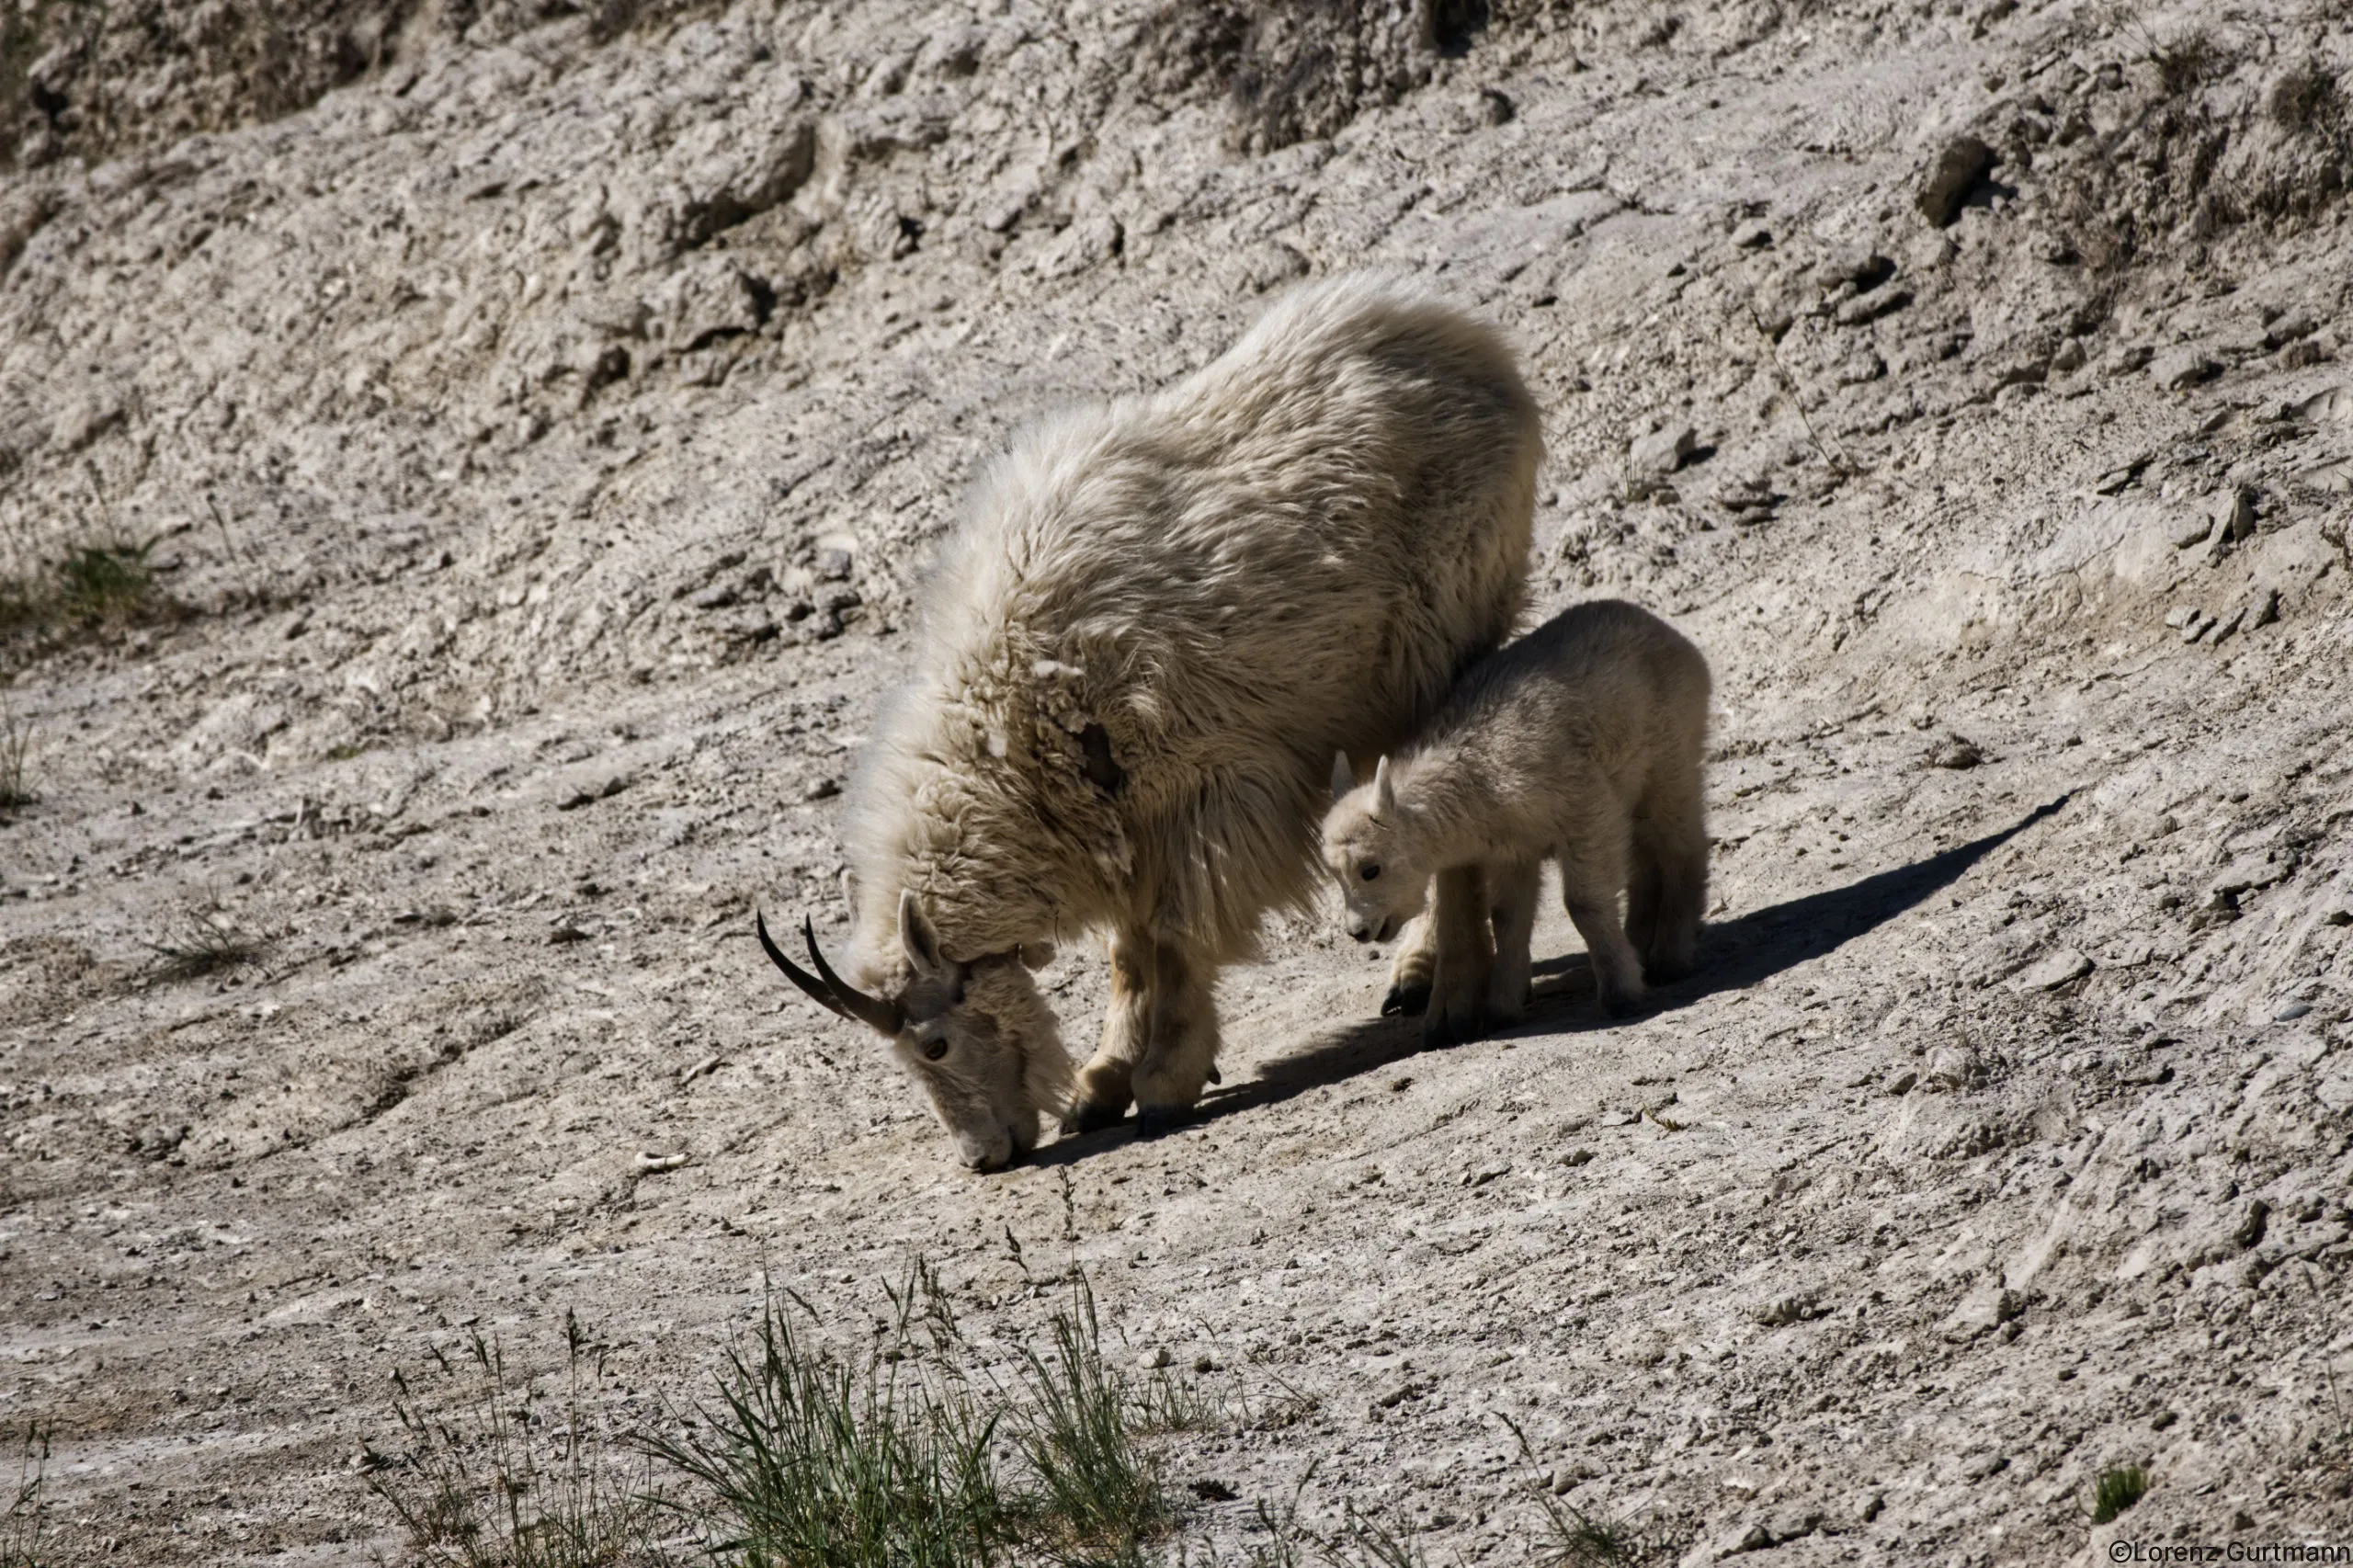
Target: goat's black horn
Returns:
[818, 990]
[852, 1003]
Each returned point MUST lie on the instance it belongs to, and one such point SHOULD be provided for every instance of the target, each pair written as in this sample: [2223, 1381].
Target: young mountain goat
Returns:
[1581, 743]
[1158, 622]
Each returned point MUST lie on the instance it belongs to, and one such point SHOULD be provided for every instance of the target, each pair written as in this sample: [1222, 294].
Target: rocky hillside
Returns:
[464, 471]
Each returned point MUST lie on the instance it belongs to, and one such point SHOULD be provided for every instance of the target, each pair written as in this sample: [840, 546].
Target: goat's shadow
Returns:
[1733, 954]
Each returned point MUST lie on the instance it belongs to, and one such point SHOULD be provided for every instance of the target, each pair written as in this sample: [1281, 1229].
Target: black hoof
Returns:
[1155, 1121]
[1089, 1115]
[1405, 1002]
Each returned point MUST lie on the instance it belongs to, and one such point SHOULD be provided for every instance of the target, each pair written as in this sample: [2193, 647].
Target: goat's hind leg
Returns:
[1592, 870]
[1671, 836]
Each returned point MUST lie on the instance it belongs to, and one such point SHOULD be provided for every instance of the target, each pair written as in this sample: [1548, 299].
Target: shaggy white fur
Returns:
[1159, 622]
[1584, 741]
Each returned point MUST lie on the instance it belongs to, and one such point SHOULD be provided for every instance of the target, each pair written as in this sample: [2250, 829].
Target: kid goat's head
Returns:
[975, 1037]
[1366, 848]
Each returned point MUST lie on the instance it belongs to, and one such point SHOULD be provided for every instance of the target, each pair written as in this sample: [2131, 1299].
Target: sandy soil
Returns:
[543, 433]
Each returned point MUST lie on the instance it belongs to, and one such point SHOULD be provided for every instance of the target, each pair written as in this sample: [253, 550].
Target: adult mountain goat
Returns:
[1159, 622]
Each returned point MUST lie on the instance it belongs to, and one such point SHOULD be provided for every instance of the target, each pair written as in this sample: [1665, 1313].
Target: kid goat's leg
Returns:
[1458, 999]
[1677, 831]
[1104, 1084]
[1180, 1053]
[1592, 870]
[1415, 969]
[1512, 889]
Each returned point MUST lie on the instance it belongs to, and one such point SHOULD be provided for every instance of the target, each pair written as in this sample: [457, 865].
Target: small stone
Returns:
[2055, 970]
[1949, 1068]
[2232, 513]
[2189, 528]
[2070, 355]
[1155, 1358]
[1662, 451]
[1957, 753]
[1984, 1465]
[2221, 630]
[1793, 1522]
[2262, 609]
[2300, 354]
[654, 1165]
[1870, 1508]
[1205, 1363]
[1958, 169]
[2196, 626]
[2253, 1224]
[1867, 308]
[1756, 1538]
[2294, 1010]
[1784, 1310]
[1496, 106]
[821, 789]
[1752, 235]
[2184, 368]
[1901, 1081]
[2289, 326]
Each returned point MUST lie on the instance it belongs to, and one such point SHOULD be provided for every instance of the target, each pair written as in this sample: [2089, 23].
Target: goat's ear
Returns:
[916, 936]
[1036, 955]
[1344, 778]
[1384, 793]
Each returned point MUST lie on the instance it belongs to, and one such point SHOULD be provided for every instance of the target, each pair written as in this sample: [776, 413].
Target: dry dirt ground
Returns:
[539, 435]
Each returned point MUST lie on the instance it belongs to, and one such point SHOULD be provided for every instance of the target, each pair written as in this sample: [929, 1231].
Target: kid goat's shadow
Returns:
[1732, 954]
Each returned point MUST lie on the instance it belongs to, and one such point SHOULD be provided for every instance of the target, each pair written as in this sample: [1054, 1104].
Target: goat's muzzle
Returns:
[825, 988]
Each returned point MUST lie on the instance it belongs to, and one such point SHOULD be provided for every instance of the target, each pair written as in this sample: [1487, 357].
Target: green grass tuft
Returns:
[15, 753]
[2116, 1490]
[1100, 1492]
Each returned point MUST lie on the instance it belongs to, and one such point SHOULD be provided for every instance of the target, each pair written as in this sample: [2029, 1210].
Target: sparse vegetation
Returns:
[498, 1479]
[2116, 1490]
[15, 753]
[913, 1458]
[20, 1523]
[1098, 1490]
[92, 589]
[205, 941]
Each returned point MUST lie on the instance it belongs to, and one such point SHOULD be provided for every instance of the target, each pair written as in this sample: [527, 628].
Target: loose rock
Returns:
[1960, 167]
[1662, 451]
[2055, 970]
[2184, 368]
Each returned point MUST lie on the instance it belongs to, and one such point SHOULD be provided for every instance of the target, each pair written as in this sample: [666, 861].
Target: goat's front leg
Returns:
[1513, 888]
[1105, 1084]
[1180, 1051]
[1414, 971]
[1459, 1002]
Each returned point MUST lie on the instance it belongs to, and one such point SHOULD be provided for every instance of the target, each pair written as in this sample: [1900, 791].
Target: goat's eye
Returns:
[935, 1049]
[1370, 872]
